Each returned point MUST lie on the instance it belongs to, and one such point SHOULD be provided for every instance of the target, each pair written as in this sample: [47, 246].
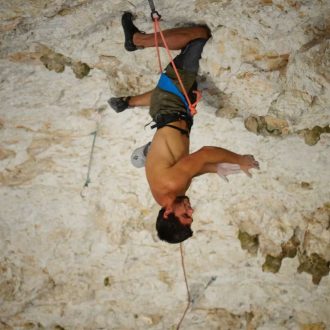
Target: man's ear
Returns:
[168, 210]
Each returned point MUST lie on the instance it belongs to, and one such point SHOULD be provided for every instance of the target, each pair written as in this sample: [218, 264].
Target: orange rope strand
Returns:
[157, 46]
[187, 288]
[191, 106]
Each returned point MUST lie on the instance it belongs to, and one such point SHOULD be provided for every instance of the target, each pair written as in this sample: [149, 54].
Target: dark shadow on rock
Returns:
[213, 96]
[312, 136]
[267, 125]
[289, 250]
[57, 62]
[272, 264]
[314, 265]
[249, 242]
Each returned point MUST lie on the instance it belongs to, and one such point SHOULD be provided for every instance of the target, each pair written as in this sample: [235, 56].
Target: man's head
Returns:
[173, 222]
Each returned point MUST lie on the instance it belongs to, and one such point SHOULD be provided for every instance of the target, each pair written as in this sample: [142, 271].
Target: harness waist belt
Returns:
[162, 120]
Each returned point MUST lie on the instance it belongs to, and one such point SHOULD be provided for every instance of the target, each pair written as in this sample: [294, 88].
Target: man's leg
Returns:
[176, 38]
[142, 100]
[188, 59]
[120, 104]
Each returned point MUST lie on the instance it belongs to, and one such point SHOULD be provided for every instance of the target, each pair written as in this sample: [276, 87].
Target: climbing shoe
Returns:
[129, 30]
[119, 104]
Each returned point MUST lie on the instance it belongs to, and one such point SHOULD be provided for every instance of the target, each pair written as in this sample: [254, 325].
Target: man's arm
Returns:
[205, 160]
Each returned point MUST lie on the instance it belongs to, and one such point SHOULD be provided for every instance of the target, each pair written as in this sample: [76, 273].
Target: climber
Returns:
[168, 164]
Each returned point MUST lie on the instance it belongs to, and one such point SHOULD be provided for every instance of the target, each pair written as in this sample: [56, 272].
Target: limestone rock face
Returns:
[78, 247]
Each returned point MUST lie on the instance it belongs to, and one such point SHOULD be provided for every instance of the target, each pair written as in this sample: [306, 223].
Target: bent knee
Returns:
[204, 32]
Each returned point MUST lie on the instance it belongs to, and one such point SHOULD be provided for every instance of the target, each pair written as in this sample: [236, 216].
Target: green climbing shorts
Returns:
[187, 63]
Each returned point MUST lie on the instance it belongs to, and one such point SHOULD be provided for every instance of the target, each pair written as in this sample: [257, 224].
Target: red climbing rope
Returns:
[156, 27]
[187, 288]
[157, 30]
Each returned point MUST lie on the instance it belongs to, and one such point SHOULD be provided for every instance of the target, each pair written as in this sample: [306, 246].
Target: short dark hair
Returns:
[171, 229]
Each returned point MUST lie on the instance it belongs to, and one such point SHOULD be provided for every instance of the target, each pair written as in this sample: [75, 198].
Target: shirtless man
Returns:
[169, 166]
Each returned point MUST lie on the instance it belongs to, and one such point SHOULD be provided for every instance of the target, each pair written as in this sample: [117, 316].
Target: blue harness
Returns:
[165, 83]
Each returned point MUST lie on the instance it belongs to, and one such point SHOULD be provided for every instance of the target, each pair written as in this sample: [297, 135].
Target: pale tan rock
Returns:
[96, 262]
[313, 326]
[227, 112]
[10, 24]
[252, 124]
[26, 171]
[6, 153]
[267, 125]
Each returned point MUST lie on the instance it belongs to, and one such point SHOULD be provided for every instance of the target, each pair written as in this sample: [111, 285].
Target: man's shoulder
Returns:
[166, 181]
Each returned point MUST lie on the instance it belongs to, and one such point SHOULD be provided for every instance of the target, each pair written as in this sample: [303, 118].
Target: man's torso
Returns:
[167, 148]
[168, 145]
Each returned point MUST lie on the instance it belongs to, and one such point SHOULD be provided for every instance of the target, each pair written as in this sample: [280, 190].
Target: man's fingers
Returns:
[252, 162]
[255, 163]
[247, 173]
[248, 164]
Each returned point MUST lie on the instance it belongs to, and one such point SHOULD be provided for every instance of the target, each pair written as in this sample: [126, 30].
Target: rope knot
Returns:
[155, 15]
[192, 107]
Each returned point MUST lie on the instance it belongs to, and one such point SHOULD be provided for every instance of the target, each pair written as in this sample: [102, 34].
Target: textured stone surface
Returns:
[68, 262]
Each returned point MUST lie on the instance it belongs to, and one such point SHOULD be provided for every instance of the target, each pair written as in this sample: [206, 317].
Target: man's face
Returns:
[183, 210]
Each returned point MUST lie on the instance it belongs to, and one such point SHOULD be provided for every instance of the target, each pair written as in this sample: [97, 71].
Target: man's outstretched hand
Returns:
[248, 162]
